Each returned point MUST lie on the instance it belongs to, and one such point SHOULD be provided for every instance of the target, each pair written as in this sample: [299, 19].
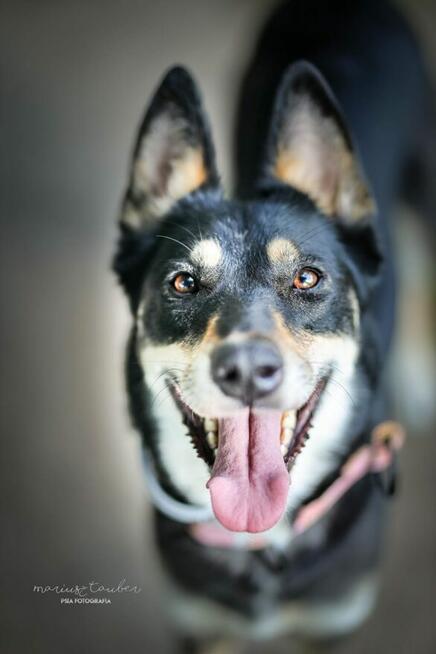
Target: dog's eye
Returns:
[184, 283]
[306, 278]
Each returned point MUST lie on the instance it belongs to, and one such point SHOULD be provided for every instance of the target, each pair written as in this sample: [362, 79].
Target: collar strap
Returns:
[387, 438]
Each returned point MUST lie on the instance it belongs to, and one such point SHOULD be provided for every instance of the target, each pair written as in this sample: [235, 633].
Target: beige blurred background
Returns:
[76, 77]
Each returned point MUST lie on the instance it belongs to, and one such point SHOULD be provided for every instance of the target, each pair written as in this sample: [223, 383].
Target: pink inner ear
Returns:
[168, 167]
[314, 158]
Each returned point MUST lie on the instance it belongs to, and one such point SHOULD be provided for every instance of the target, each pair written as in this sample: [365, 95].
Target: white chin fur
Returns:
[187, 471]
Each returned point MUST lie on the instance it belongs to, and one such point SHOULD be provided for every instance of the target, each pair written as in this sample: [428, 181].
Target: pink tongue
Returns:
[249, 482]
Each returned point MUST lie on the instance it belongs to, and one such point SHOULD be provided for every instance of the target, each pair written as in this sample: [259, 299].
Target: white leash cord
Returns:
[178, 511]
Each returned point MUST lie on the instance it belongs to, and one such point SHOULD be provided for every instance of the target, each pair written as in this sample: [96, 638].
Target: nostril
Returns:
[233, 375]
[228, 374]
[265, 372]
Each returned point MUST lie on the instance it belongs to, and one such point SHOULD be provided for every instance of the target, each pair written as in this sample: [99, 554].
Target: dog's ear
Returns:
[173, 155]
[310, 149]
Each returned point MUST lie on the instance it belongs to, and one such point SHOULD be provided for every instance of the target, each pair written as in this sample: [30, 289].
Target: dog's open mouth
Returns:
[251, 454]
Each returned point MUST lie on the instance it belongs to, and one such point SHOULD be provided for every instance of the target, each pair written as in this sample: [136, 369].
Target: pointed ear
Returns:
[173, 155]
[311, 150]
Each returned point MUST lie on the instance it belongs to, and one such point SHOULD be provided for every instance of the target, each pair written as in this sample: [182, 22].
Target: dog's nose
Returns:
[247, 371]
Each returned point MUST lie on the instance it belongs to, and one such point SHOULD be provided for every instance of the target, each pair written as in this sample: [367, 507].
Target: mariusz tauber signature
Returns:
[87, 593]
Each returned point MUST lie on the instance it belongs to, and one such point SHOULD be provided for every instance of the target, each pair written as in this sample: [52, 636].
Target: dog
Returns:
[261, 323]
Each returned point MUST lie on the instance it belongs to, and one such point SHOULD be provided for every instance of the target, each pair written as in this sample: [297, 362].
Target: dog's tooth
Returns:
[286, 436]
[283, 449]
[289, 419]
[212, 439]
[210, 424]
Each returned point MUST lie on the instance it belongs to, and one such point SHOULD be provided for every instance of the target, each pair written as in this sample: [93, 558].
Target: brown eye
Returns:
[184, 283]
[306, 278]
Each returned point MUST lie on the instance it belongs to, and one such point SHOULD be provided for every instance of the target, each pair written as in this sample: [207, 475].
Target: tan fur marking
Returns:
[166, 169]
[210, 335]
[298, 342]
[280, 250]
[187, 174]
[207, 253]
[306, 344]
[294, 171]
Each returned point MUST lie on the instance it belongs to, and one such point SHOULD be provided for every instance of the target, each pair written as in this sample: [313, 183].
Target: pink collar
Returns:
[387, 438]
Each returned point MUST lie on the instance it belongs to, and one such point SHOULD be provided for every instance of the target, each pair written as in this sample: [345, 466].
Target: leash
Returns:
[387, 438]
[172, 508]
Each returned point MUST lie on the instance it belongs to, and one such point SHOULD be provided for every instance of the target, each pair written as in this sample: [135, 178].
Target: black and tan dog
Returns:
[261, 323]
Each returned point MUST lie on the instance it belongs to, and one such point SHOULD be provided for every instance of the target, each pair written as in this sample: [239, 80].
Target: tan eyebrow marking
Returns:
[280, 250]
[207, 253]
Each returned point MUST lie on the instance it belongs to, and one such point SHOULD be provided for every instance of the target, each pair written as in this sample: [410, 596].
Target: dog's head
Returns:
[248, 314]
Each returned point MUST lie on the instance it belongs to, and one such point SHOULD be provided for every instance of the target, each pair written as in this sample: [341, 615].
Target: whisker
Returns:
[342, 387]
[170, 238]
[330, 394]
[199, 228]
[336, 381]
[156, 396]
[164, 372]
[163, 399]
[185, 229]
[314, 232]
[330, 365]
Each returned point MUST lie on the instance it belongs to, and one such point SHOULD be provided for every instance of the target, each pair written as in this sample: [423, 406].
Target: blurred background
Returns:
[75, 79]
